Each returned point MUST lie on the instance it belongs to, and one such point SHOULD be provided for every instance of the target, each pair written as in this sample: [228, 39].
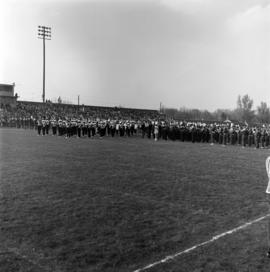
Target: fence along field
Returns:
[122, 204]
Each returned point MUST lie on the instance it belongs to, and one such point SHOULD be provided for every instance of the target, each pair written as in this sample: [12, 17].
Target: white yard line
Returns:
[171, 257]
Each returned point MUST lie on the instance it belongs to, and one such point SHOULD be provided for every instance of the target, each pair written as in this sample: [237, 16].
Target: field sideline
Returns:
[121, 204]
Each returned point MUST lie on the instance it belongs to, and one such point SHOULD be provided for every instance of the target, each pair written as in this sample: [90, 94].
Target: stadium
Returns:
[183, 199]
[100, 187]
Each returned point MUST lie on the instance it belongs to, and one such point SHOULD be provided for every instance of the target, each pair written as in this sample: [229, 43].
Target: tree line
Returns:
[243, 113]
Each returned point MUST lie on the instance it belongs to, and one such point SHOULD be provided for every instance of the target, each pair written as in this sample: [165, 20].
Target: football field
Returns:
[122, 204]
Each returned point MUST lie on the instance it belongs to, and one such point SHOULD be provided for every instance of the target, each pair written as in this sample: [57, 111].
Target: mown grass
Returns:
[119, 204]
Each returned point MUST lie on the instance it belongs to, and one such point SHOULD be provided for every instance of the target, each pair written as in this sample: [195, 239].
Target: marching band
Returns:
[213, 133]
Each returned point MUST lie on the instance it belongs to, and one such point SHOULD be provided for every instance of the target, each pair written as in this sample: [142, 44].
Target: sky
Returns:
[139, 53]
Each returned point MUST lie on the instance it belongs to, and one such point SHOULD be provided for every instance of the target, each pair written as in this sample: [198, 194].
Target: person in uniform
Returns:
[69, 129]
[212, 133]
[60, 127]
[132, 128]
[102, 129]
[47, 126]
[53, 123]
[117, 128]
[263, 137]
[150, 129]
[225, 135]
[39, 126]
[84, 128]
[128, 128]
[258, 137]
[192, 132]
[144, 127]
[88, 124]
[156, 131]
[163, 130]
[121, 129]
[74, 127]
[64, 128]
[79, 128]
[135, 128]
[112, 128]
[93, 128]
[43, 126]
[239, 135]
[250, 137]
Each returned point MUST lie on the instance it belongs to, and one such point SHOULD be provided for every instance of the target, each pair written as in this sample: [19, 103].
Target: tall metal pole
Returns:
[44, 33]
[43, 93]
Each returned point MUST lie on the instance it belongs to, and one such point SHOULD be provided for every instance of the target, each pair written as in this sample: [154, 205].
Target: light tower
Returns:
[44, 33]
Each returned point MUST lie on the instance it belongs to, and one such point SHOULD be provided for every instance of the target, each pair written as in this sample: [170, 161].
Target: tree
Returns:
[239, 102]
[263, 113]
[223, 114]
[170, 112]
[206, 115]
[244, 108]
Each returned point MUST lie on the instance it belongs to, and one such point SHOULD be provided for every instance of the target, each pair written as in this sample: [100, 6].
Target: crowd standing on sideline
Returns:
[87, 122]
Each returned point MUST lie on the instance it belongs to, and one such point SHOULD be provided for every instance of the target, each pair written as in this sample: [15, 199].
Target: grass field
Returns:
[121, 204]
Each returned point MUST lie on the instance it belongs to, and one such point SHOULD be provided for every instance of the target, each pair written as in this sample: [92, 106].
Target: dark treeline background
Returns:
[243, 113]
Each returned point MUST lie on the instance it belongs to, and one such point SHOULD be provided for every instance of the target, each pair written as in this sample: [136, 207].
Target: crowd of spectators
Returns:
[34, 111]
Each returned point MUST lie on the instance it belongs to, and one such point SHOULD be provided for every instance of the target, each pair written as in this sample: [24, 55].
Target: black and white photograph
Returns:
[135, 136]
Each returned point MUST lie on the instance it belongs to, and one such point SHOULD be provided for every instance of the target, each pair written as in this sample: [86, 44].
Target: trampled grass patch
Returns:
[120, 204]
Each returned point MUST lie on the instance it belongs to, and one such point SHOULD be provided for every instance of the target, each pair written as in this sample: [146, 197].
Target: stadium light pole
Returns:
[44, 33]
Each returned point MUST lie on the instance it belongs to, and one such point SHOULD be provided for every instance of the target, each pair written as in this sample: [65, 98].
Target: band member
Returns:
[135, 128]
[39, 126]
[79, 128]
[43, 126]
[144, 127]
[60, 127]
[132, 128]
[84, 128]
[74, 127]
[47, 126]
[263, 138]
[156, 130]
[54, 126]
[149, 132]
[102, 129]
[112, 128]
[121, 129]
[258, 137]
[64, 128]
[117, 128]
[68, 129]
[127, 128]
[88, 128]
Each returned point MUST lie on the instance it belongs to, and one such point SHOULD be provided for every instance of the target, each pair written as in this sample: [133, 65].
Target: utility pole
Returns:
[44, 33]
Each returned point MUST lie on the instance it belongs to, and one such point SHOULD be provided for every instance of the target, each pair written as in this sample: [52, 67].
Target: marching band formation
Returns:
[195, 132]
